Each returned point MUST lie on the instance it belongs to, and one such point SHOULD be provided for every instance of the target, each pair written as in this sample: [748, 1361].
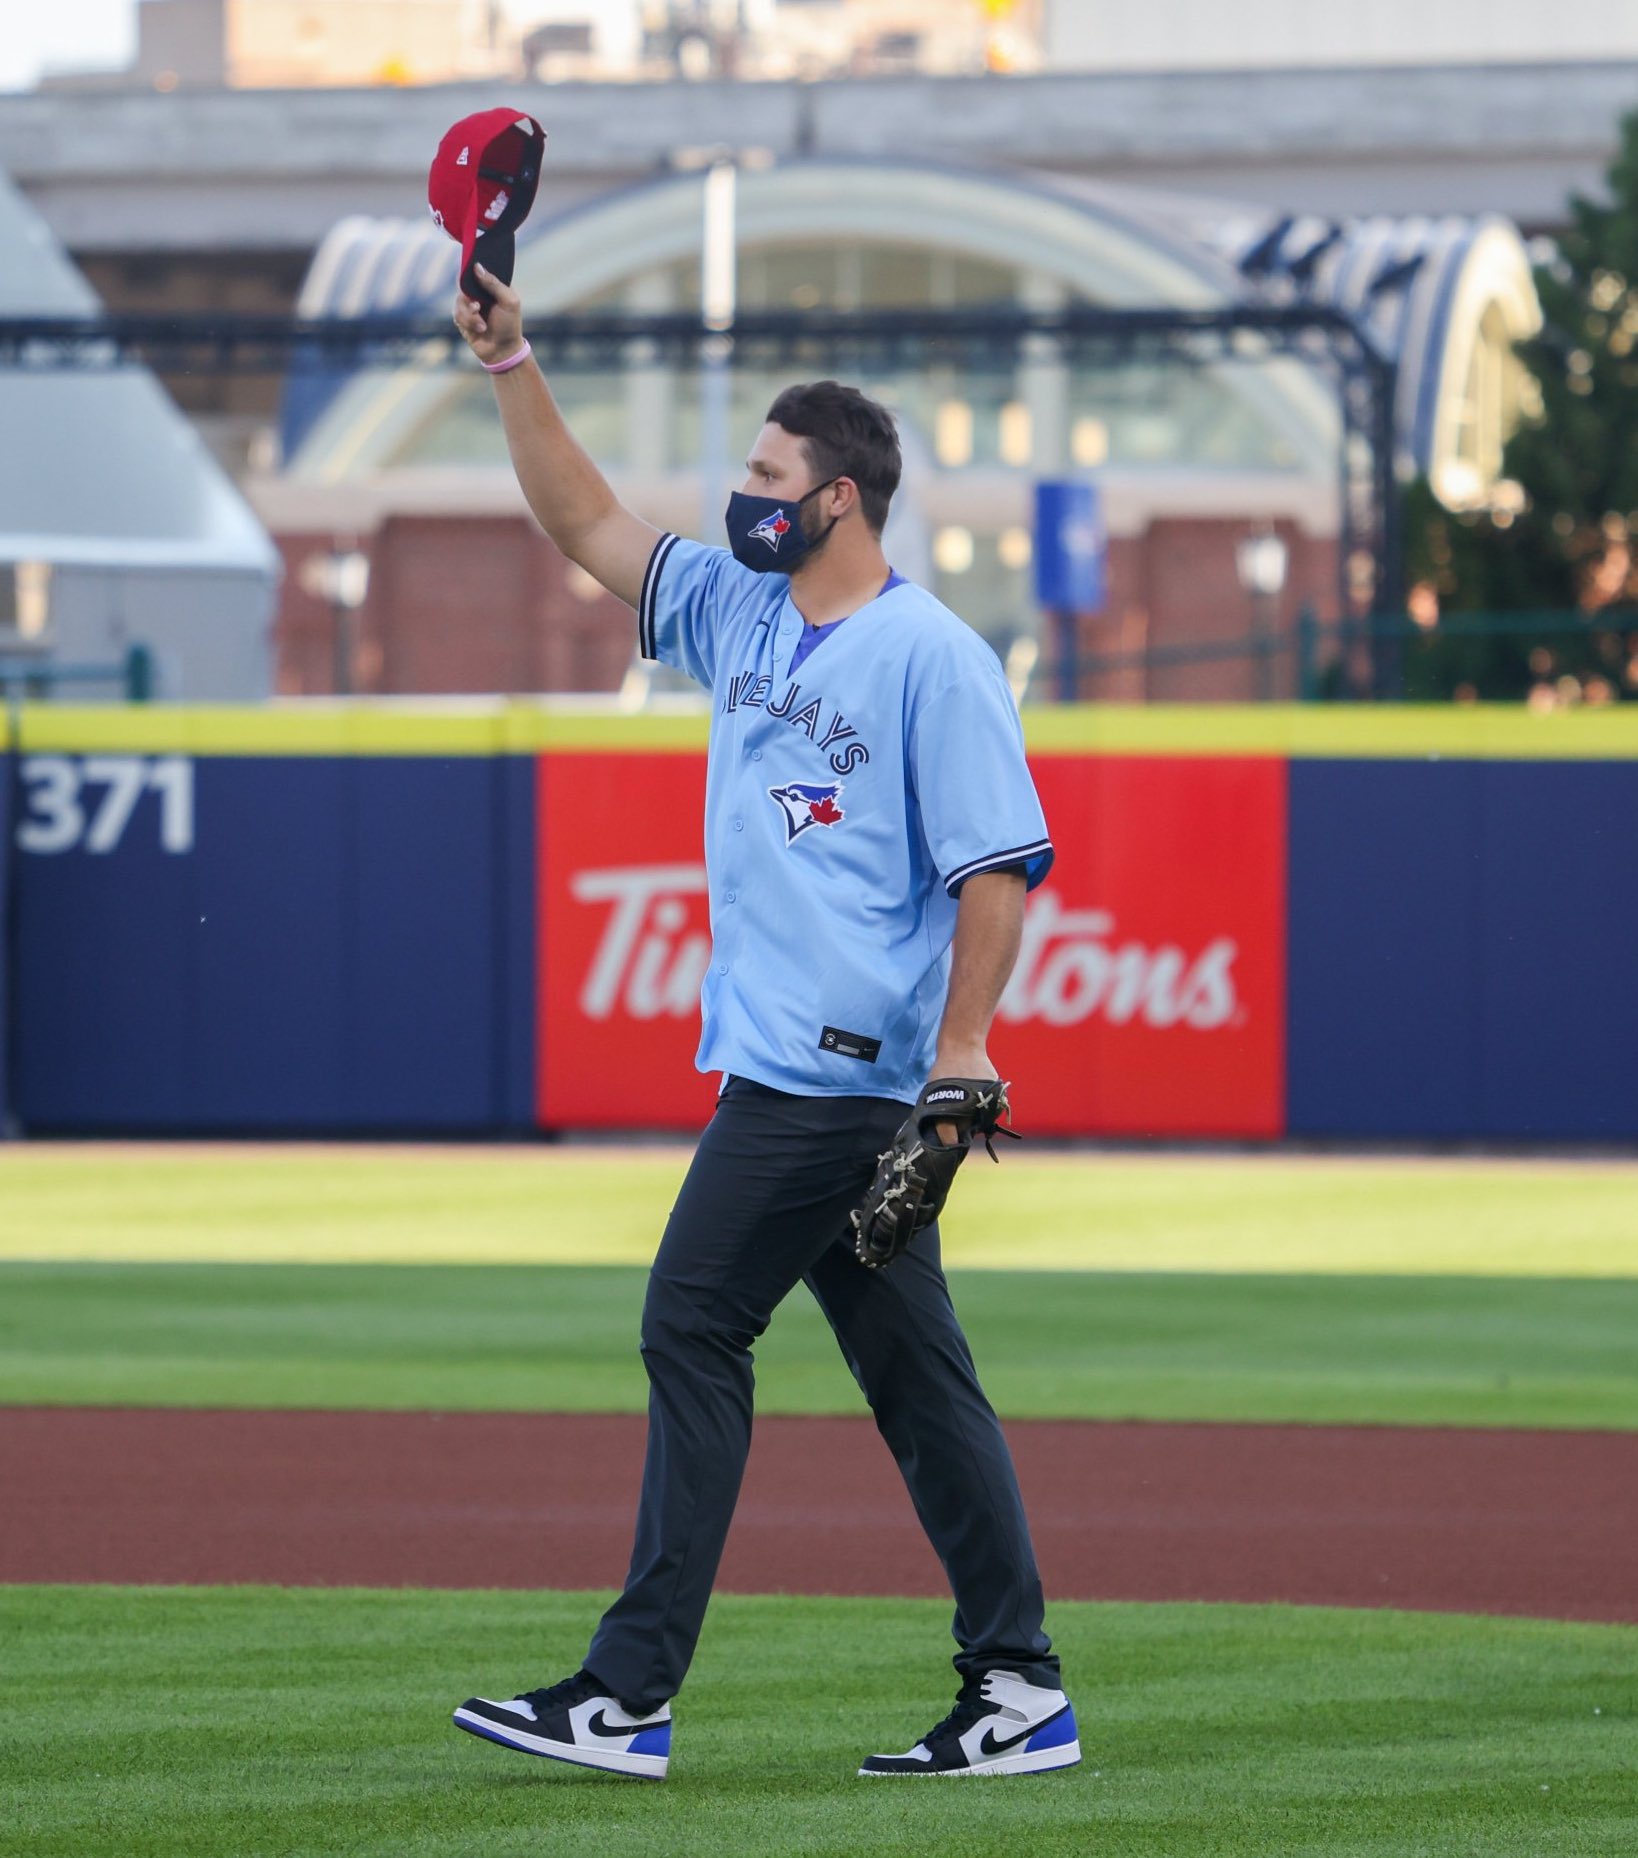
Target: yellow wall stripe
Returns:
[489, 727]
[346, 729]
[1320, 731]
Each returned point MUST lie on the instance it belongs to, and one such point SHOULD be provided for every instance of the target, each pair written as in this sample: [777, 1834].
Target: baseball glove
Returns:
[914, 1176]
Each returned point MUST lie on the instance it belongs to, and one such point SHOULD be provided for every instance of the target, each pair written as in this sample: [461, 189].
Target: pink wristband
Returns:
[511, 361]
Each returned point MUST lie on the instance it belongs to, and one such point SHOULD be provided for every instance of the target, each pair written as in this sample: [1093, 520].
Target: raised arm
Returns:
[570, 497]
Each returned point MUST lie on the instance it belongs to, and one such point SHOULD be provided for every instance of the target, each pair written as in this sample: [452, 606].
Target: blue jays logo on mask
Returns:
[766, 540]
[772, 530]
[805, 804]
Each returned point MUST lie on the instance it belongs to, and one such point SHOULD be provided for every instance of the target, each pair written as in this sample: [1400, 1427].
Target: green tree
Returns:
[1575, 460]
[1577, 454]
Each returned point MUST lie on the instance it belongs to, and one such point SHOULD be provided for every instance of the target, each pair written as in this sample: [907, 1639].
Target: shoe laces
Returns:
[970, 1705]
[562, 1695]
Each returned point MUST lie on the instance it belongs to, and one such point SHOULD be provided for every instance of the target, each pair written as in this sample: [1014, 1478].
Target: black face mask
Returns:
[766, 534]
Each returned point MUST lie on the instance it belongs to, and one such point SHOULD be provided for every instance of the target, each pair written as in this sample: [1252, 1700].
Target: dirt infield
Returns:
[1538, 1523]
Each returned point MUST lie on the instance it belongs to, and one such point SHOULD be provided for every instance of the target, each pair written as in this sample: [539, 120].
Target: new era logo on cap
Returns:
[481, 186]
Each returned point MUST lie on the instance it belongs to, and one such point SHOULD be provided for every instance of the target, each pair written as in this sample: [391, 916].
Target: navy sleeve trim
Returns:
[650, 592]
[1017, 854]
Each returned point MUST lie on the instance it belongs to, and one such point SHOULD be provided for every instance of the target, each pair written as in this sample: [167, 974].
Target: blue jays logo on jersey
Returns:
[807, 803]
[772, 529]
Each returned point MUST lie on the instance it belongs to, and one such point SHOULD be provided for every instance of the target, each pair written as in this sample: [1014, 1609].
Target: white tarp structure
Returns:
[114, 511]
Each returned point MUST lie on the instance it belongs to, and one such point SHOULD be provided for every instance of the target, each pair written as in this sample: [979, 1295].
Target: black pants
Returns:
[765, 1203]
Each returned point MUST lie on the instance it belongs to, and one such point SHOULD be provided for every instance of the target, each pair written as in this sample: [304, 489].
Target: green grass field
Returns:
[1420, 1350]
[243, 1722]
[1039, 1211]
[191, 1723]
[1179, 1287]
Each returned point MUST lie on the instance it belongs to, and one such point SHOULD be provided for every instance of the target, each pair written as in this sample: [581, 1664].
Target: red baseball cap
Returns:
[481, 187]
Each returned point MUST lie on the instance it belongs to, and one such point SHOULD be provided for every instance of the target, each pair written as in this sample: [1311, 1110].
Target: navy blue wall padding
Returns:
[340, 951]
[351, 946]
[1382, 887]
[8, 773]
[1557, 1036]
[1456, 934]
[517, 940]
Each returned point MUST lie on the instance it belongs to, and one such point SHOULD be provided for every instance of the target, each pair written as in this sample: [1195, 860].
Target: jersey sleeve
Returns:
[690, 594]
[978, 805]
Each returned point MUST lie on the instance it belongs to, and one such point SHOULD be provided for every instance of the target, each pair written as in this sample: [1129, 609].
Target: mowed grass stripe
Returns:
[1454, 1351]
[1040, 1211]
[187, 1723]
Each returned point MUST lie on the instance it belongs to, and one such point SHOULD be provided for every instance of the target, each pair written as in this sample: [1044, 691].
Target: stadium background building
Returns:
[1189, 458]
[1407, 193]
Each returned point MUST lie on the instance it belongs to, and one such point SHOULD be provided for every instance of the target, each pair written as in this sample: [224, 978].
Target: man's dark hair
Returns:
[845, 434]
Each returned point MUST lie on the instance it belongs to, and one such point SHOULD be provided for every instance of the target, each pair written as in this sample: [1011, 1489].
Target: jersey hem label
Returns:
[850, 1044]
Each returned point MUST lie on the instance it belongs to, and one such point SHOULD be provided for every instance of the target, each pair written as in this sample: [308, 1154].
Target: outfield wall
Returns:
[490, 918]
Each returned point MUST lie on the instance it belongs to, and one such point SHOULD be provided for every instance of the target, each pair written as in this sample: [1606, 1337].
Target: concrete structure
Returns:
[116, 526]
[218, 199]
[238, 175]
[1206, 35]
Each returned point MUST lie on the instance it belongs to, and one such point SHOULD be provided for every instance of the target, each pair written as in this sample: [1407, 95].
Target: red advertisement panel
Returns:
[1149, 996]
[624, 940]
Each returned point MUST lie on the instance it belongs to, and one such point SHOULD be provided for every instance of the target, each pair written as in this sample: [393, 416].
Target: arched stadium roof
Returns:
[1423, 288]
[1420, 286]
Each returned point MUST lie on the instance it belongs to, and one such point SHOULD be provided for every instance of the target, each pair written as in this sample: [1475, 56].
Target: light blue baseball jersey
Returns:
[845, 806]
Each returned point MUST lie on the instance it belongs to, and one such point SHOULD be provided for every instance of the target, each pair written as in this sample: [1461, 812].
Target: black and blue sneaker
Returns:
[575, 1721]
[1000, 1725]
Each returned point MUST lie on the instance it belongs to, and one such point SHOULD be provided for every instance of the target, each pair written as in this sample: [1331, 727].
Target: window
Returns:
[25, 602]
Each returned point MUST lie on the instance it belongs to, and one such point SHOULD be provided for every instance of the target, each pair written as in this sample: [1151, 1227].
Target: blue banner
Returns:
[1071, 548]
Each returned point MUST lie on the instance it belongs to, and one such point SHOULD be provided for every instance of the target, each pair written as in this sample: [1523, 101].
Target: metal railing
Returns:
[974, 338]
[37, 677]
[1339, 659]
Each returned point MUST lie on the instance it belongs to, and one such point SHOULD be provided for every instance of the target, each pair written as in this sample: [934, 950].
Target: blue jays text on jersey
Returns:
[847, 801]
[749, 689]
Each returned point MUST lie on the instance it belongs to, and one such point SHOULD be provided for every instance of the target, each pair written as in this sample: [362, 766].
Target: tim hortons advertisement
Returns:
[624, 938]
[1148, 996]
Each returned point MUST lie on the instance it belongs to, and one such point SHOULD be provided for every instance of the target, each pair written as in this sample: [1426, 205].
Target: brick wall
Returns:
[1176, 584]
[466, 604]
[455, 605]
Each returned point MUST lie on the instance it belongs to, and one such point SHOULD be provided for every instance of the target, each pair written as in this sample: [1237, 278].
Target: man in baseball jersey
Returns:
[871, 830]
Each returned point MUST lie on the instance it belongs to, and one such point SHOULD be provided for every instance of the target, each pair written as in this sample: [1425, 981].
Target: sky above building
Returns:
[91, 33]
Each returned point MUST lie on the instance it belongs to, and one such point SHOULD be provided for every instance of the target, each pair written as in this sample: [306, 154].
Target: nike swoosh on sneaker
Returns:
[598, 1724]
[989, 1743]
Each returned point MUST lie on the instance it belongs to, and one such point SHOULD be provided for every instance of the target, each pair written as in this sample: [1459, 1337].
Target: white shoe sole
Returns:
[611, 1761]
[1042, 1761]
